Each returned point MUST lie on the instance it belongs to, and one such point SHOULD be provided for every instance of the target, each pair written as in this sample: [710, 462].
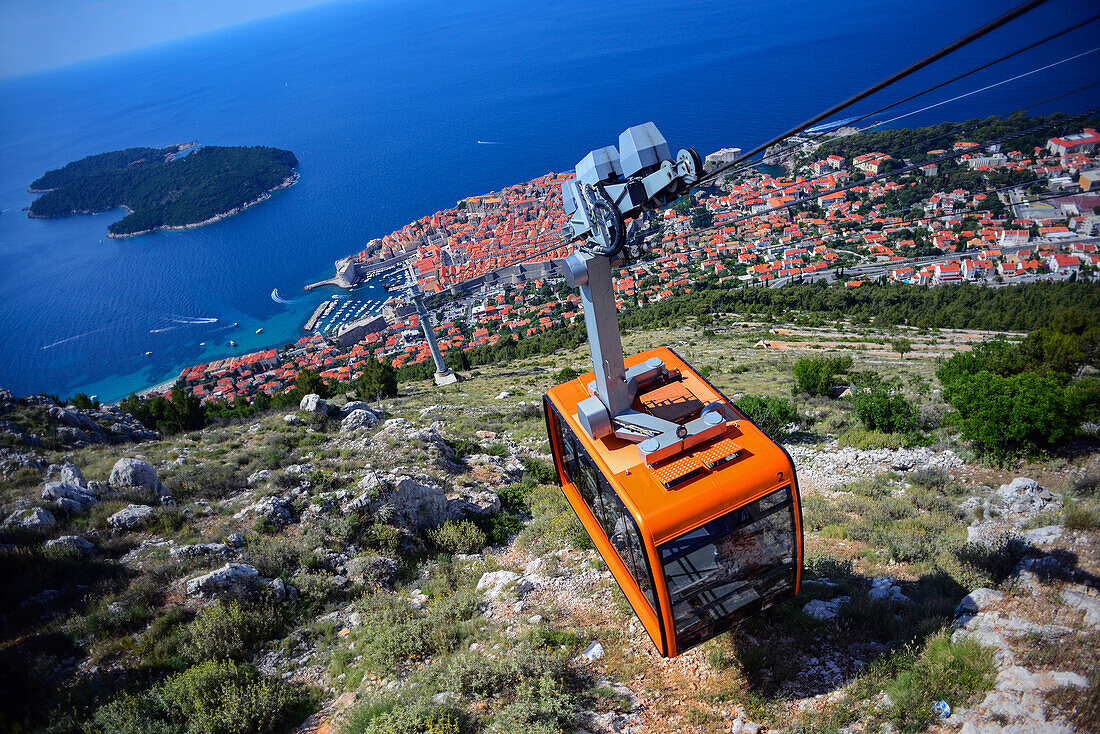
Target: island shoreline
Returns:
[286, 183]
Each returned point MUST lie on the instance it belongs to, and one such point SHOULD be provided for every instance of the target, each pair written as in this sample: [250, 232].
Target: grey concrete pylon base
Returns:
[446, 378]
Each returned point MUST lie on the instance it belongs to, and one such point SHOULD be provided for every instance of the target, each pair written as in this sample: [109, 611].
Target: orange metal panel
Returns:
[719, 452]
[676, 469]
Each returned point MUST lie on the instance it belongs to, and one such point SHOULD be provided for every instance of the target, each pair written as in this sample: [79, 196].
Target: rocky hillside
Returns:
[409, 566]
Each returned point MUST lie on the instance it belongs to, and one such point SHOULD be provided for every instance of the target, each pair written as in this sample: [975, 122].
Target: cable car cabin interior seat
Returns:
[699, 538]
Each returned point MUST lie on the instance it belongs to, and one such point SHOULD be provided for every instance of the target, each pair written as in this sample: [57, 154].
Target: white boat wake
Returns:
[192, 319]
[69, 339]
[279, 299]
[489, 142]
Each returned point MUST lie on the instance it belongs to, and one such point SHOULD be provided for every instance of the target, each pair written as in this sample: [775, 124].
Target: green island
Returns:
[177, 187]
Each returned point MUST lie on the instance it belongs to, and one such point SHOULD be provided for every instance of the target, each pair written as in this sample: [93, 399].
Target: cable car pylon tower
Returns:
[444, 375]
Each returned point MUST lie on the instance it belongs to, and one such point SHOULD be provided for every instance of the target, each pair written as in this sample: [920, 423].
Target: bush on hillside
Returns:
[865, 440]
[379, 380]
[389, 716]
[1005, 415]
[209, 698]
[460, 536]
[952, 671]
[818, 375]
[882, 407]
[228, 631]
[769, 413]
[1012, 398]
[182, 412]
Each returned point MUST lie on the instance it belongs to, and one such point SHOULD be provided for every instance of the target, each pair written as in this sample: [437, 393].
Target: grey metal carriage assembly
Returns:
[613, 185]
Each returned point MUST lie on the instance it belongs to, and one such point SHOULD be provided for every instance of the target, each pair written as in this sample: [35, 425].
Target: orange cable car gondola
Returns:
[694, 509]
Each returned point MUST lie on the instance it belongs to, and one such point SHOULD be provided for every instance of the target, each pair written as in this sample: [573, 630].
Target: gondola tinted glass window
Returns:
[730, 567]
[617, 524]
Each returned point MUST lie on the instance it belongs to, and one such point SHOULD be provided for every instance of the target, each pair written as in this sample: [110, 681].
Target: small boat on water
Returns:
[260, 330]
[147, 354]
[232, 343]
[235, 323]
[202, 344]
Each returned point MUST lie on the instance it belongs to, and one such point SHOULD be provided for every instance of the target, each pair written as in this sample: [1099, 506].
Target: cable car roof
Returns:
[695, 485]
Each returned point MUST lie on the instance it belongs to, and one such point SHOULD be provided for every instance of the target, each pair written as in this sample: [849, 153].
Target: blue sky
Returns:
[42, 34]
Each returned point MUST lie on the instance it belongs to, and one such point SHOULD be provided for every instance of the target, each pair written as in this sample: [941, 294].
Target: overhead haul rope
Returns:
[911, 97]
[888, 81]
[795, 146]
[991, 86]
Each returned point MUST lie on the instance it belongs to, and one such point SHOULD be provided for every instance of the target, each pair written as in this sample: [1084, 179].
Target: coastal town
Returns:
[843, 220]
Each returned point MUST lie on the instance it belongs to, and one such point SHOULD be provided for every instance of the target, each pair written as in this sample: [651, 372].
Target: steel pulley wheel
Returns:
[610, 221]
[694, 161]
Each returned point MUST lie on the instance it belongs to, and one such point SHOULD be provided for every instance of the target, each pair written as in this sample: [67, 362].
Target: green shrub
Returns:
[951, 671]
[541, 473]
[205, 480]
[273, 558]
[883, 408]
[553, 522]
[160, 644]
[565, 374]
[460, 536]
[818, 512]
[109, 619]
[464, 446]
[130, 714]
[210, 698]
[393, 717]
[818, 375]
[498, 527]
[228, 631]
[931, 501]
[865, 440]
[1078, 515]
[479, 676]
[1008, 415]
[934, 479]
[384, 538]
[393, 632]
[825, 566]
[216, 697]
[379, 380]
[514, 497]
[182, 412]
[541, 706]
[769, 413]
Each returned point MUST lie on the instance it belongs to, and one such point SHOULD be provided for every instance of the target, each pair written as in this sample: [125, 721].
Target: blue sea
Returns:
[384, 102]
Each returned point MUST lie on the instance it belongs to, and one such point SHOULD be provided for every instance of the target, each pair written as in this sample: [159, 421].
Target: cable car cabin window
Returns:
[619, 527]
[617, 524]
[730, 568]
[568, 447]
